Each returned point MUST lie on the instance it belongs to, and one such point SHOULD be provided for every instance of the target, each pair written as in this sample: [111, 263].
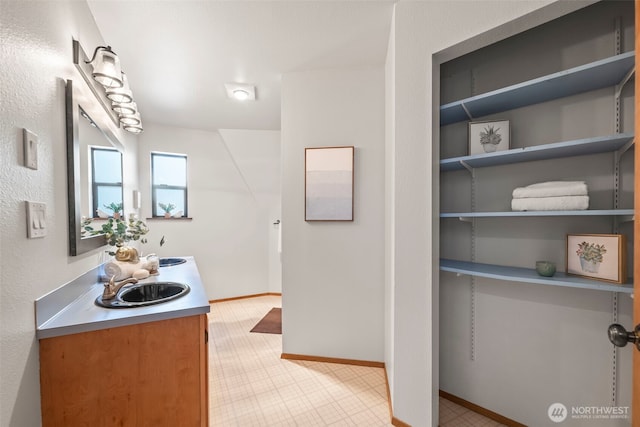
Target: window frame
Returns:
[154, 186]
[95, 184]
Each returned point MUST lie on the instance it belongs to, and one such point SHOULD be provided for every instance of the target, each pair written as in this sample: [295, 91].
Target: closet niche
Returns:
[512, 341]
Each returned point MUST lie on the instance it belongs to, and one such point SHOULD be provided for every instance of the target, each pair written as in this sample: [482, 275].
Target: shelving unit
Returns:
[594, 212]
[579, 147]
[596, 75]
[566, 89]
[527, 275]
[612, 71]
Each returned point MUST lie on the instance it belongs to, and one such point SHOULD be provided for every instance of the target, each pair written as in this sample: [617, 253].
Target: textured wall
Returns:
[36, 60]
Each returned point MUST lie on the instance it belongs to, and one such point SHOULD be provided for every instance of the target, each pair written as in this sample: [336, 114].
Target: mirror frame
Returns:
[74, 100]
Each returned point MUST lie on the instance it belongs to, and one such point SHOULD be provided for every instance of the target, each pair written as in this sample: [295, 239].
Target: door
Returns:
[635, 407]
[617, 333]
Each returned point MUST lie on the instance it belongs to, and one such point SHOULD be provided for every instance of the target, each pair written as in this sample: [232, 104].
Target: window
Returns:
[106, 181]
[169, 185]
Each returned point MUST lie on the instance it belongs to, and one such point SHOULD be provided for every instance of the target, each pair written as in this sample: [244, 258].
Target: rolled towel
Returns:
[566, 203]
[121, 269]
[552, 189]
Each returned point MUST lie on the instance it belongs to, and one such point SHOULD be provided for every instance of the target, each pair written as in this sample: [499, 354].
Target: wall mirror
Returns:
[91, 144]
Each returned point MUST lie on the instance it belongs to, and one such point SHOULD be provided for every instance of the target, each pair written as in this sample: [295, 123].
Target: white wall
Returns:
[420, 30]
[333, 275]
[36, 59]
[257, 155]
[232, 209]
[389, 205]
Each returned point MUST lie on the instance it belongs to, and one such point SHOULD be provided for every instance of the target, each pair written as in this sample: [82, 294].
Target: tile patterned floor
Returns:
[250, 385]
[454, 415]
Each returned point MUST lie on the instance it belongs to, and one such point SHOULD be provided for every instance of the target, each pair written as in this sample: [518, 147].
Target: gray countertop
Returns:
[71, 308]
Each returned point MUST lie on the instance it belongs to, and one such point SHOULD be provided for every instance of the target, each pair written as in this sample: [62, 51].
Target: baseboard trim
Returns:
[213, 301]
[480, 410]
[396, 422]
[371, 364]
[386, 382]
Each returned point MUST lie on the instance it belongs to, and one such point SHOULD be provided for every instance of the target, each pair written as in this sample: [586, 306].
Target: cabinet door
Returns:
[204, 371]
[150, 374]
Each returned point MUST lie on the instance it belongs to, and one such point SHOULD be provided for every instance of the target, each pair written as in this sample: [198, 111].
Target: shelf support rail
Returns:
[473, 259]
[614, 365]
[616, 195]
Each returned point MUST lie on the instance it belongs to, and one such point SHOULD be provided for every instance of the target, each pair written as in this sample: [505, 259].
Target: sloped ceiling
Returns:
[179, 54]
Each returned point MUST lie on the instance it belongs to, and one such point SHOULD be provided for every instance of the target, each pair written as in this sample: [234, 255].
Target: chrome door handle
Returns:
[619, 336]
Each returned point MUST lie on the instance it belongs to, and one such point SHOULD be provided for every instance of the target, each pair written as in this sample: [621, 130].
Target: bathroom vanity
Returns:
[141, 366]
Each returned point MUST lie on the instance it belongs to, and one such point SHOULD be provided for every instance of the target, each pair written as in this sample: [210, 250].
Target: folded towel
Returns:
[566, 203]
[551, 189]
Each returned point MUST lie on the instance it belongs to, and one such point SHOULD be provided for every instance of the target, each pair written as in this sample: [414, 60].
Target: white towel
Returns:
[566, 203]
[551, 189]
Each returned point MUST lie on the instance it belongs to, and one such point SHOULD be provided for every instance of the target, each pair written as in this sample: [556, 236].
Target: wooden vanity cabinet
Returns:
[148, 374]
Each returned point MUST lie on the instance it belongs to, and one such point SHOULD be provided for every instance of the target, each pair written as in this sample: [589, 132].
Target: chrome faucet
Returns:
[111, 289]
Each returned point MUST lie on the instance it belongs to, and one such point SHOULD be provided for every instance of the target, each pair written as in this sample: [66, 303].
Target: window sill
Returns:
[161, 218]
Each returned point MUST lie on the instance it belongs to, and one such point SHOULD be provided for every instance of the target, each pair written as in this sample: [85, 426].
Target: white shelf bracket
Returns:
[623, 82]
[469, 168]
[465, 219]
[466, 110]
[620, 151]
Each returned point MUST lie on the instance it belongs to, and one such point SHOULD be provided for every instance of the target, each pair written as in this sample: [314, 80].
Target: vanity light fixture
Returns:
[113, 89]
[106, 69]
[124, 108]
[120, 94]
[130, 119]
[241, 91]
[133, 128]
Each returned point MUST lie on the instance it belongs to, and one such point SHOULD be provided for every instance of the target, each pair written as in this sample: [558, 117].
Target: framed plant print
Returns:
[597, 256]
[328, 184]
[489, 136]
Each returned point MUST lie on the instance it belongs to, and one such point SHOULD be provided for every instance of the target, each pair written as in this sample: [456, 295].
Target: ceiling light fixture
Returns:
[240, 94]
[240, 91]
[113, 90]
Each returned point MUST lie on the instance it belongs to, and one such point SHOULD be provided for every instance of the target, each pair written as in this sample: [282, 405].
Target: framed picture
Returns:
[328, 184]
[597, 256]
[488, 137]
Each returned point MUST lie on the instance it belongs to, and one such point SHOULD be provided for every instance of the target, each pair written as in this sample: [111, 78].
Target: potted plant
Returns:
[116, 208]
[591, 255]
[490, 138]
[167, 208]
[118, 232]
